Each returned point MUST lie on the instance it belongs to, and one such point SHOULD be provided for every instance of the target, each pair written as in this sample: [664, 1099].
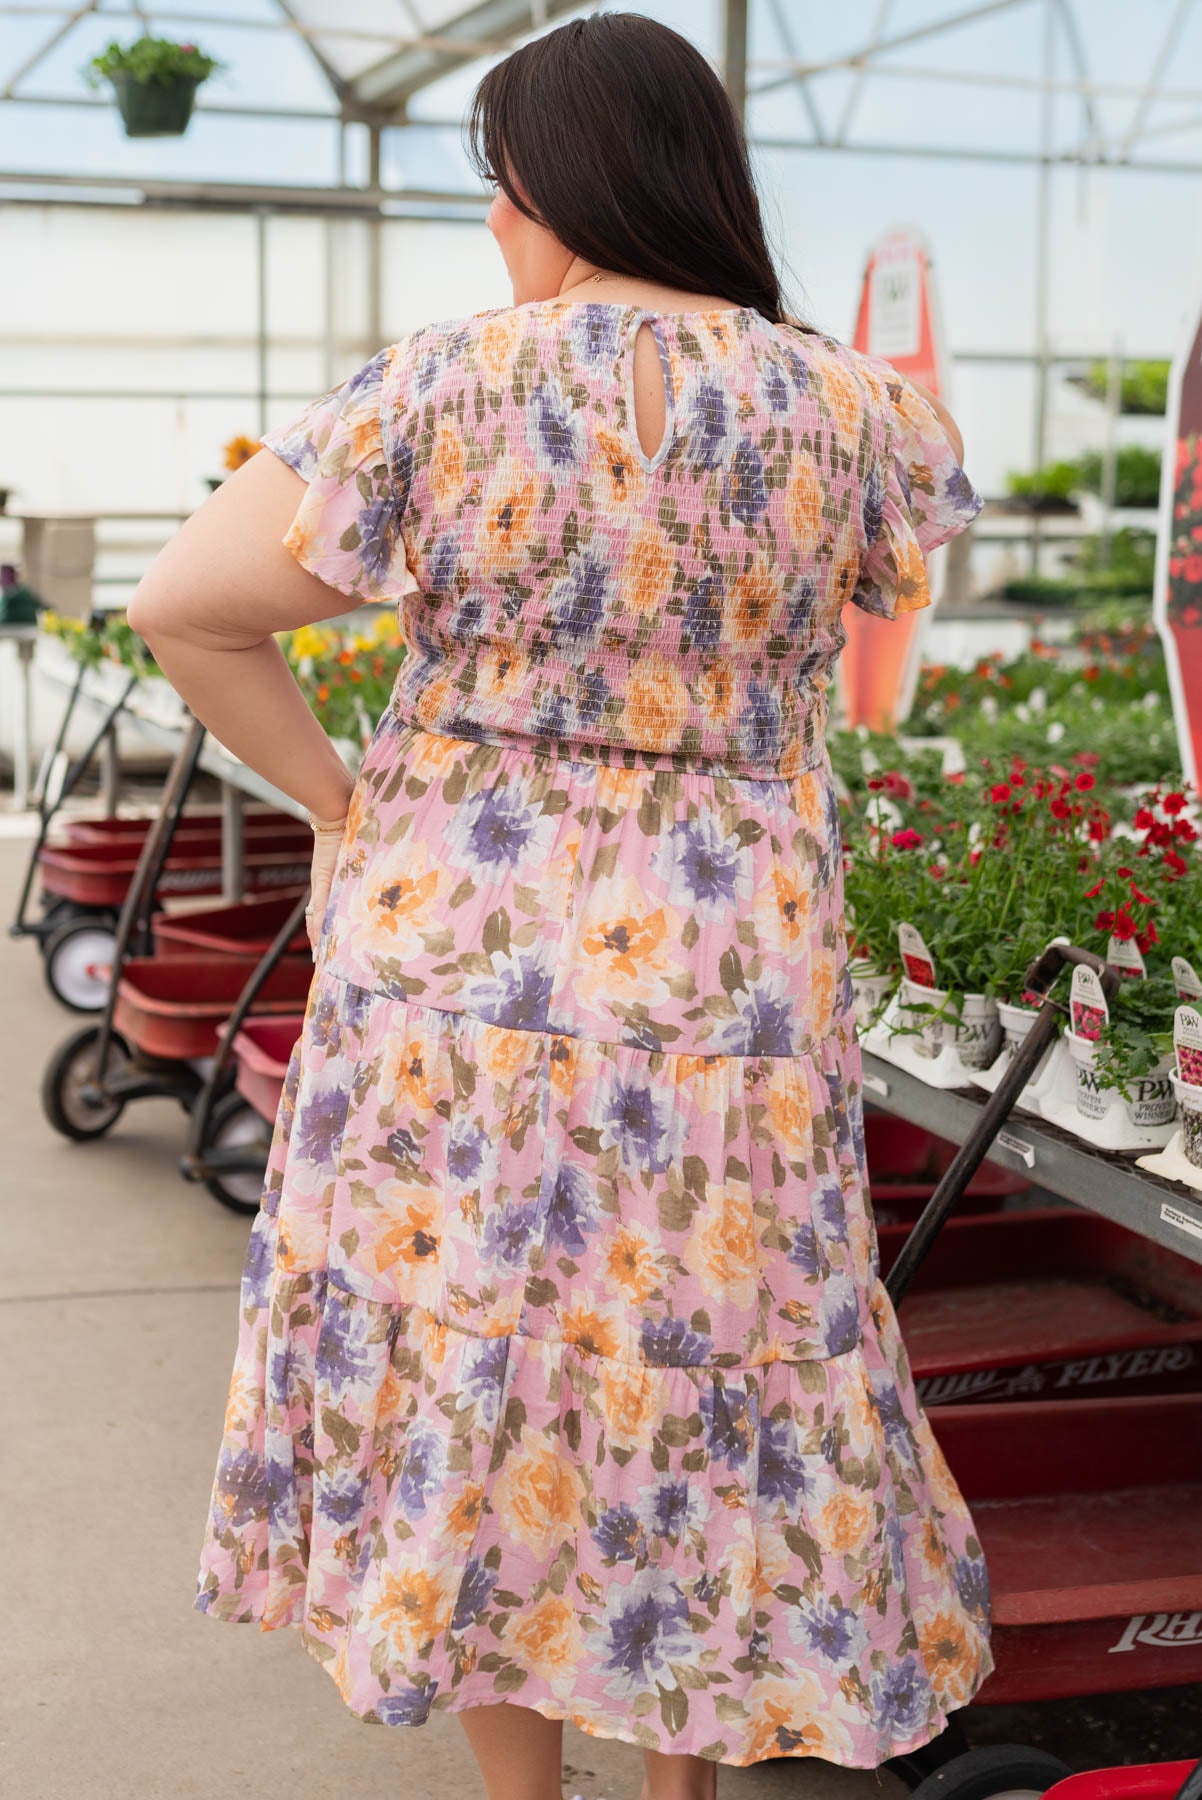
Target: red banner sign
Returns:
[1177, 601]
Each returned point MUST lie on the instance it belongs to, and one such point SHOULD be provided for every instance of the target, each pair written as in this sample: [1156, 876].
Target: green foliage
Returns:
[151, 59]
[1055, 481]
[1136, 474]
[1143, 386]
[1140, 1032]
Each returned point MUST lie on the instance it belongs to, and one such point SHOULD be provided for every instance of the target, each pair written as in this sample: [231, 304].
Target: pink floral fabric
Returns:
[565, 1373]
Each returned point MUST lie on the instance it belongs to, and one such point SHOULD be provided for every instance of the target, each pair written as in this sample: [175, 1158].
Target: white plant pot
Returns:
[1103, 1116]
[869, 993]
[943, 1052]
[1181, 1158]
[108, 680]
[1016, 1022]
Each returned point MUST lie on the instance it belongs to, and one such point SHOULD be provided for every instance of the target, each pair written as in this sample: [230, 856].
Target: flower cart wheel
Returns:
[994, 1772]
[78, 961]
[233, 1125]
[72, 1068]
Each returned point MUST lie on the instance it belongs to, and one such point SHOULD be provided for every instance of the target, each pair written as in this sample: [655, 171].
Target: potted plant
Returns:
[235, 452]
[155, 82]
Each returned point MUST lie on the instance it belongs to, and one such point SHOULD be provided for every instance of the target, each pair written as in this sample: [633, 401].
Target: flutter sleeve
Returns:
[917, 498]
[347, 528]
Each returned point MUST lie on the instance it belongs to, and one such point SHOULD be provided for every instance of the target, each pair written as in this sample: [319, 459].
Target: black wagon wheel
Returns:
[993, 1772]
[69, 1072]
[235, 1128]
[78, 962]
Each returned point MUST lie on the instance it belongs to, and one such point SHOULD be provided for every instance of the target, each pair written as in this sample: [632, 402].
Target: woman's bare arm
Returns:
[208, 607]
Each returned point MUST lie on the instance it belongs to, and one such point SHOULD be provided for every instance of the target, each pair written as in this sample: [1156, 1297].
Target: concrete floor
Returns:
[118, 1313]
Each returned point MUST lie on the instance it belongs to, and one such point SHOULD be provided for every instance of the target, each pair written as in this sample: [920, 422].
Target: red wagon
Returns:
[905, 1162]
[206, 823]
[1087, 1512]
[263, 1049]
[244, 930]
[1050, 1301]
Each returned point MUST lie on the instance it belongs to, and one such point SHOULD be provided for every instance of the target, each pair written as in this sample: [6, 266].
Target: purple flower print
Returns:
[423, 1471]
[701, 866]
[618, 1535]
[405, 1705]
[492, 833]
[971, 1575]
[841, 1314]
[339, 1498]
[470, 1153]
[803, 1251]
[553, 717]
[595, 332]
[581, 599]
[592, 693]
[872, 504]
[901, 1696]
[343, 1355]
[259, 1262]
[776, 389]
[442, 566]
[731, 1417]
[673, 1344]
[745, 491]
[509, 1233]
[481, 1376]
[573, 1214]
[518, 997]
[240, 1493]
[765, 1022]
[646, 1125]
[833, 1633]
[760, 723]
[783, 1474]
[670, 1509]
[709, 422]
[475, 1592]
[802, 597]
[378, 536]
[647, 1629]
[963, 496]
[554, 428]
[319, 1123]
[702, 625]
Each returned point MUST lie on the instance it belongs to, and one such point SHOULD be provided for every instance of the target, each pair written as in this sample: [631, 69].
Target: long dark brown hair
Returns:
[632, 155]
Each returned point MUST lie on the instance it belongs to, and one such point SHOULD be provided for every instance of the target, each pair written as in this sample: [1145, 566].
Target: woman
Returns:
[566, 1385]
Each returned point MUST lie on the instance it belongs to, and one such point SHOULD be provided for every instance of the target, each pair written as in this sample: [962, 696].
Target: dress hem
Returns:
[613, 1732]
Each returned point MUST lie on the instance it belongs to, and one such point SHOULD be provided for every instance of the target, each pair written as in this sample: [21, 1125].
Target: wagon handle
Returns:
[1040, 978]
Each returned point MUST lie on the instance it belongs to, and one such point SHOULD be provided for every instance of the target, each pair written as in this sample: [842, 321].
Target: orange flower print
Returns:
[845, 1522]
[409, 1608]
[657, 703]
[717, 687]
[944, 1647]
[618, 467]
[647, 572]
[507, 525]
[793, 900]
[632, 1262]
[628, 945]
[404, 1082]
[722, 1250]
[591, 1327]
[912, 589]
[496, 342]
[803, 509]
[411, 1239]
[447, 466]
[755, 601]
[549, 1637]
[466, 1510]
[633, 1401]
[536, 1494]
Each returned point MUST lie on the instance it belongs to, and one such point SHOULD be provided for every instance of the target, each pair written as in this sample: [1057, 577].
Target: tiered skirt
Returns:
[565, 1374]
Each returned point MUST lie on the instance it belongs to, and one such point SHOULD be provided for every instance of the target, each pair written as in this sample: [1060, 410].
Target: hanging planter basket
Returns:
[154, 82]
[154, 108]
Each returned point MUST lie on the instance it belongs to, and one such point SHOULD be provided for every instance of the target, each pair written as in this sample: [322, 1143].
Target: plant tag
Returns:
[1186, 979]
[916, 958]
[1124, 955]
[1087, 1004]
[1187, 1042]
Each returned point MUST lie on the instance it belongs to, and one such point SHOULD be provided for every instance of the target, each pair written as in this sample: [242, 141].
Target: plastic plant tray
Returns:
[246, 929]
[100, 874]
[1086, 1511]
[1049, 1302]
[173, 1007]
[263, 1048]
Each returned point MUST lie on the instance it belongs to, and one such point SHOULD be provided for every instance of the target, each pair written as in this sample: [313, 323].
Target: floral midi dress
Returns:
[565, 1374]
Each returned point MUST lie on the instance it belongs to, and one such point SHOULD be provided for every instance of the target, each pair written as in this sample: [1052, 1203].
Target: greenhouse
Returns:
[600, 741]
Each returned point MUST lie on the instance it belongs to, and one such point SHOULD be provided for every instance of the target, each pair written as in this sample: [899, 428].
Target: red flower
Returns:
[1173, 803]
[1059, 808]
[1104, 922]
[1083, 783]
[1184, 830]
[1175, 864]
[1093, 892]
[1124, 925]
[936, 871]
[1146, 938]
[1141, 899]
[909, 839]
[1143, 819]
[875, 784]
[999, 793]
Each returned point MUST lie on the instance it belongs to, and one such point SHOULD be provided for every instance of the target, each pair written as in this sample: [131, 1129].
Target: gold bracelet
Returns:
[322, 825]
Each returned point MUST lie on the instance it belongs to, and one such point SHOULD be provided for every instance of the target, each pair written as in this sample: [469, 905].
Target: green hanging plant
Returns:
[154, 81]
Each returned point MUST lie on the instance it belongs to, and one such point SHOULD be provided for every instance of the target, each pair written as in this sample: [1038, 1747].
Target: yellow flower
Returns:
[239, 450]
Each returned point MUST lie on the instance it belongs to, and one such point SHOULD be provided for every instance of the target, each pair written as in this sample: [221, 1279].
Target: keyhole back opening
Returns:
[650, 401]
